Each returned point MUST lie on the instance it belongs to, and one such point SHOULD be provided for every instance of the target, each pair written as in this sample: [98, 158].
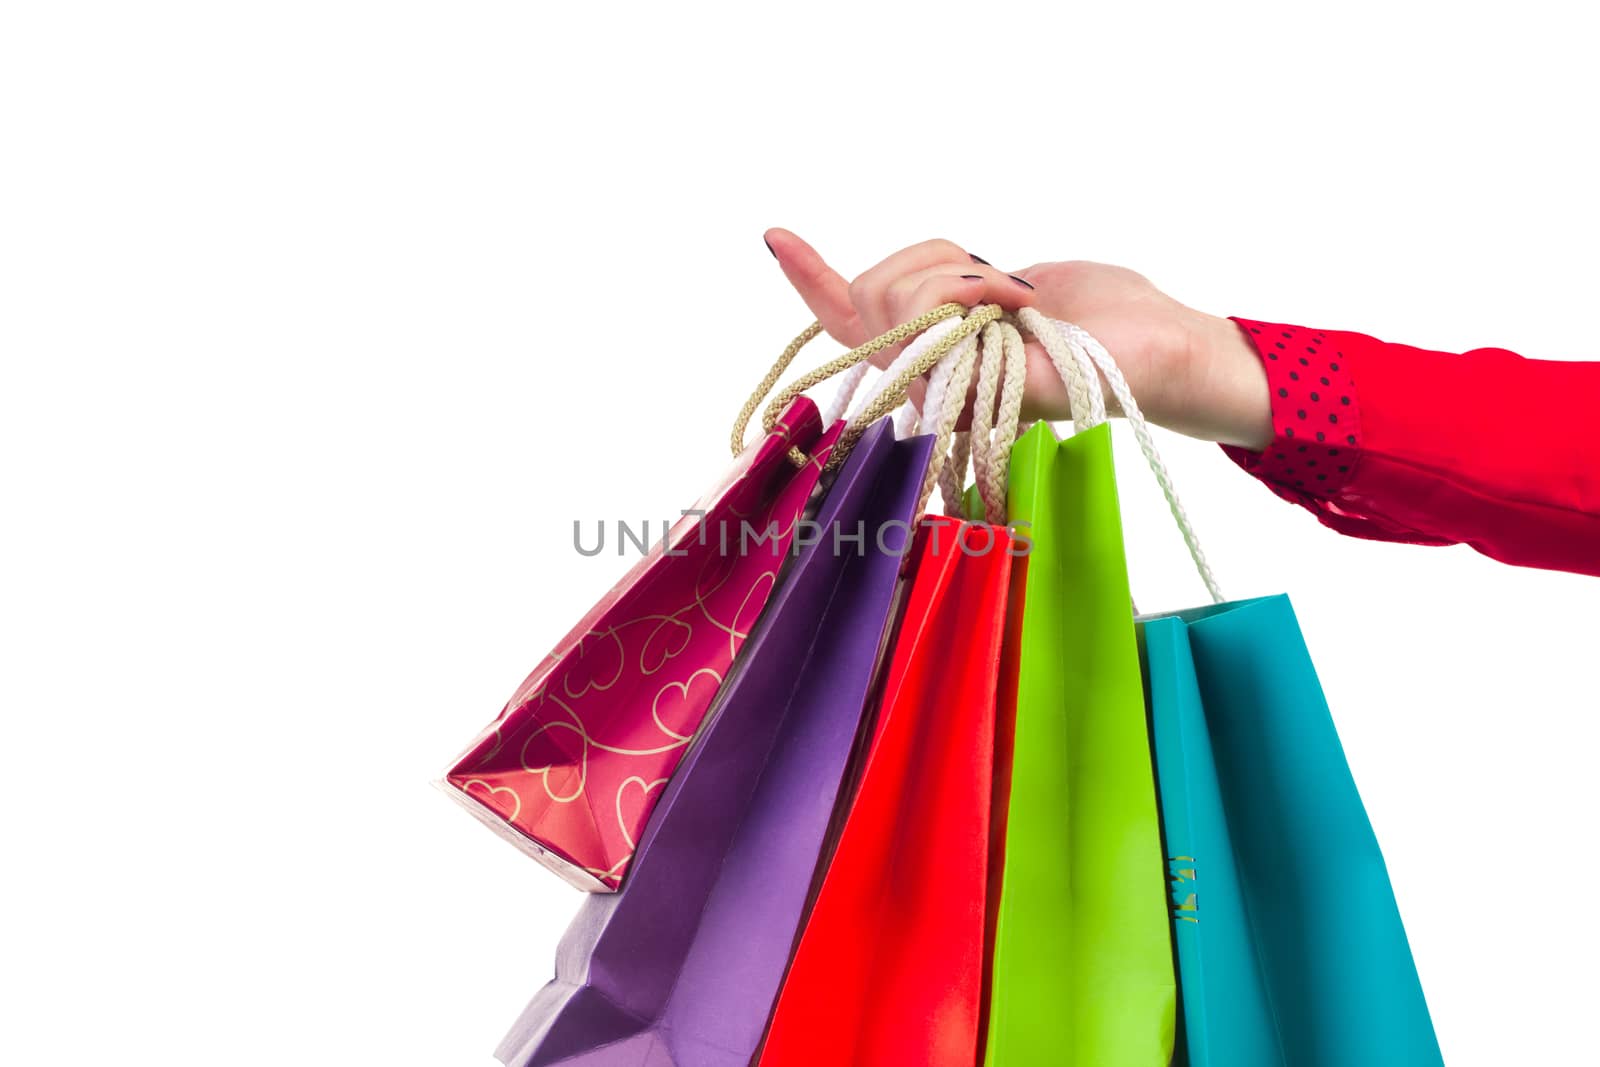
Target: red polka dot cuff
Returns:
[1316, 419]
[1484, 448]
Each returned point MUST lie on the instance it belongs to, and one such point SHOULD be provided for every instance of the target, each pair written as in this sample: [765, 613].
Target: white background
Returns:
[322, 321]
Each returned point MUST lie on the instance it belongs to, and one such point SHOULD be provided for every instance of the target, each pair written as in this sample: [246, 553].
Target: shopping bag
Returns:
[1226, 1013]
[571, 769]
[1291, 947]
[1082, 970]
[682, 964]
[889, 967]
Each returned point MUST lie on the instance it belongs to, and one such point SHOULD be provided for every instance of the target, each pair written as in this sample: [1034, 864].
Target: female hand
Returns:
[1191, 372]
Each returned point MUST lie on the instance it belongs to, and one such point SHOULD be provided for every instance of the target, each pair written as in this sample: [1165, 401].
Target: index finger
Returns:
[822, 288]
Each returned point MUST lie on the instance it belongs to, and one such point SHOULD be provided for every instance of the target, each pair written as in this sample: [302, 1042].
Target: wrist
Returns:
[1234, 403]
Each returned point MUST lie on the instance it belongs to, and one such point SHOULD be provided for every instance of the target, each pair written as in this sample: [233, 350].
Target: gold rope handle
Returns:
[854, 356]
[895, 395]
[737, 440]
[828, 370]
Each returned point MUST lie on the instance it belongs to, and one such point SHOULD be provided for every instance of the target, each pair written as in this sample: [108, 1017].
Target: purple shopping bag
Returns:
[681, 966]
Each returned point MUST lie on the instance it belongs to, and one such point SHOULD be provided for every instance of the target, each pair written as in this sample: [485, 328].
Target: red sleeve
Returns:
[1396, 443]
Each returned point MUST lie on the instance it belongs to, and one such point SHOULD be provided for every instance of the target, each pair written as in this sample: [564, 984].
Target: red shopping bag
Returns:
[889, 967]
[572, 768]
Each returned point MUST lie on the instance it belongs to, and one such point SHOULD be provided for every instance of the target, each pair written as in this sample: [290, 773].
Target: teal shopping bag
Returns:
[1291, 949]
[1227, 1017]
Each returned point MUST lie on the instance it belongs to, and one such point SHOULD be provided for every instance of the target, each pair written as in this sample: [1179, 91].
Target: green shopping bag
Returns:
[1082, 972]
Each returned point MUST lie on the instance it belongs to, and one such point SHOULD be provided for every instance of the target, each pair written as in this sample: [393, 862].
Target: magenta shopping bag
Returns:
[572, 767]
[681, 966]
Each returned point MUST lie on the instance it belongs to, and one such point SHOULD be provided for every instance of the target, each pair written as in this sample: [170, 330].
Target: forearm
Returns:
[1399, 443]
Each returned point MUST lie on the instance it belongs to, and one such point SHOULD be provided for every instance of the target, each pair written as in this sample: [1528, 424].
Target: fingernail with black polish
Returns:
[769, 247]
[1018, 280]
[973, 277]
[979, 259]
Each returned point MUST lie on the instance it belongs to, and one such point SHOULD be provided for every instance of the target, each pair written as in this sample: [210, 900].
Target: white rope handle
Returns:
[1141, 432]
[1074, 353]
[992, 445]
[906, 419]
[846, 401]
[942, 404]
[1004, 359]
[949, 446]
[847, 389]
[953, 475]
[1002, 355]
[989, 445]
[1084, 397]
[913, 351]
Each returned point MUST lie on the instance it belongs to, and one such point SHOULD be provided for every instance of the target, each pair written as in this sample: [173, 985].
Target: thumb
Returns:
[822, 288]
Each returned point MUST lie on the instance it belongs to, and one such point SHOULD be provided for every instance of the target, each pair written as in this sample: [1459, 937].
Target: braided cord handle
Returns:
[894, 394]
[908, 419]
[1080, 360]
[994, 429]
[849, 359]
[1084, 396]
[1073, 352]
[1076, 354]
[1141, 432]
[941, 408]
[844, 362]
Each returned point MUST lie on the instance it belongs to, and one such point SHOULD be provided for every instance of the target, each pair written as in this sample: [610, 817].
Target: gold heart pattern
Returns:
[579, 757]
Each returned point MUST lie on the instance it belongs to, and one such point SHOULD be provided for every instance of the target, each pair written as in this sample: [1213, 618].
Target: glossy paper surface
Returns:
[1227, 1015]
[578, 758]
[1318, 911]
[681, 966]
[1082, 971]
[889, 967]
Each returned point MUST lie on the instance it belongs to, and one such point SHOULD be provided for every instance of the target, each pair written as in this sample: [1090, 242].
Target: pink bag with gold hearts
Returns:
[571, 769]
